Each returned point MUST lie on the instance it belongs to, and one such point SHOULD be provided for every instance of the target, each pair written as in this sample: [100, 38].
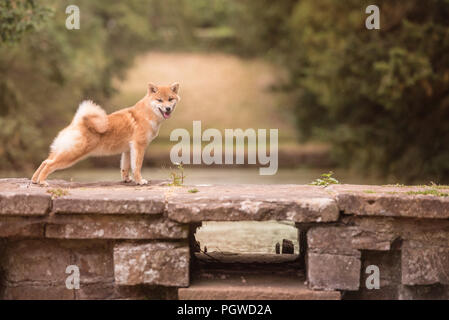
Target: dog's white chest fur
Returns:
[153, 131]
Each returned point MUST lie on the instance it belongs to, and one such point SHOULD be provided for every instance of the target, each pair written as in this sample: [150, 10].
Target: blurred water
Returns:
[214, 175]
[246, 236]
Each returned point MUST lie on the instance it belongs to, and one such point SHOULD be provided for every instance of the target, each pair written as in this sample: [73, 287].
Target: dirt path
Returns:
[223, 91]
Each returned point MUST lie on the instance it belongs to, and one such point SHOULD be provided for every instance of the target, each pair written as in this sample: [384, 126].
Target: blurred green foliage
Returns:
[380, 97]
[46, 69]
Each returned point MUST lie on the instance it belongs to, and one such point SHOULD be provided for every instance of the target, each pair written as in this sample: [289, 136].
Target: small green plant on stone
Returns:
[56, 193]
[432, 192]
[194, 190]
[177, 176]
[399, 185]
[325, 180]
[438, 186]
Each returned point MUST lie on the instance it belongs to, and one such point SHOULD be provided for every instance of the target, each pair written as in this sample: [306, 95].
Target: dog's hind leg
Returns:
[60, 161]
[38, 171]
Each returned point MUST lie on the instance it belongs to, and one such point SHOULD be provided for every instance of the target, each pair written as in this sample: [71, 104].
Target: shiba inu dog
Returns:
[127, 132]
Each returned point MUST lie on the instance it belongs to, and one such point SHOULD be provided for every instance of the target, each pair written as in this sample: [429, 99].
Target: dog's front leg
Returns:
[137, 151]
[125, 165]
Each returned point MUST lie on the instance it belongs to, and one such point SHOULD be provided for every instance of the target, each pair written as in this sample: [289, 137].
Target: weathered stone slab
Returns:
[424, 264]
[346, 240]
[394, 201]
[94, 260]
[268, 290]
[431, 231]
[332, 240]
[37, 291]
[44, 262]
[108, 290]
[114, 227]
[20, 197]
[428, 292]
[333, 272]
[21, 227]
[24, 204]
[251, 202]
[97, 291]
[165, 264]
[37, 261]
[123, 200]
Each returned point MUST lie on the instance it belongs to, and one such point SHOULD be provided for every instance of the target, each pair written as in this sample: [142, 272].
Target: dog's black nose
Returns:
[167, 109]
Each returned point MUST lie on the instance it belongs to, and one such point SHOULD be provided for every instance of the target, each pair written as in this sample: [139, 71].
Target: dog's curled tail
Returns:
[92, 116]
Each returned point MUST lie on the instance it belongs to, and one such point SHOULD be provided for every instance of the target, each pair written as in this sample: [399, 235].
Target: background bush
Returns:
[381, 98]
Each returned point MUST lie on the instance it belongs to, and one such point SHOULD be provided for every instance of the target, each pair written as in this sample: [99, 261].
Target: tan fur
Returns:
[127, 131]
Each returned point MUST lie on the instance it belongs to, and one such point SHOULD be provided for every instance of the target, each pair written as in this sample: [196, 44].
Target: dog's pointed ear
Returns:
[152, 88]
[175, 87]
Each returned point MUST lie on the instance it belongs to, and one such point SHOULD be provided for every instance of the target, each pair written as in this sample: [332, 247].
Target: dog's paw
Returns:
[126, 180]
[43, 183]
[142, 182]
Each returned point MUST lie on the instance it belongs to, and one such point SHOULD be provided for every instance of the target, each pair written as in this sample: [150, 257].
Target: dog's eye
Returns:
[160, 100]
[170, 99]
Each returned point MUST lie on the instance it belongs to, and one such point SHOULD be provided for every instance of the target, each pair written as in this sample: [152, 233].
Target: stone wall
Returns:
[133, 242]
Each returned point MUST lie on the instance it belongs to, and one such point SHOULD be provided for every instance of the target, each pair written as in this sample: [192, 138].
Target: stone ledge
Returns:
[298, 203]
[114, 227]
[252, 202]
[111, 201]
[18, 197]
[126, 237]
[391, 201]
[92, 227]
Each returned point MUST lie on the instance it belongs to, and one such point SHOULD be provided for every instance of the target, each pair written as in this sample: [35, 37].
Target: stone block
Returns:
[424, 264]
[332, 240]
[21, 227]
[114, 227]
[252, 202]
[22, 203]
[94, 260]
[36, 291]
[393, 201]
[426, 292]
[165, 264]
[333, 272]
[111, 201]
[36, 260]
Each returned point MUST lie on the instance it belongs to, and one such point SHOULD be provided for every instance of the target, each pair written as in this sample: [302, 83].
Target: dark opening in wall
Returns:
[231, 257]
[247, 242]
